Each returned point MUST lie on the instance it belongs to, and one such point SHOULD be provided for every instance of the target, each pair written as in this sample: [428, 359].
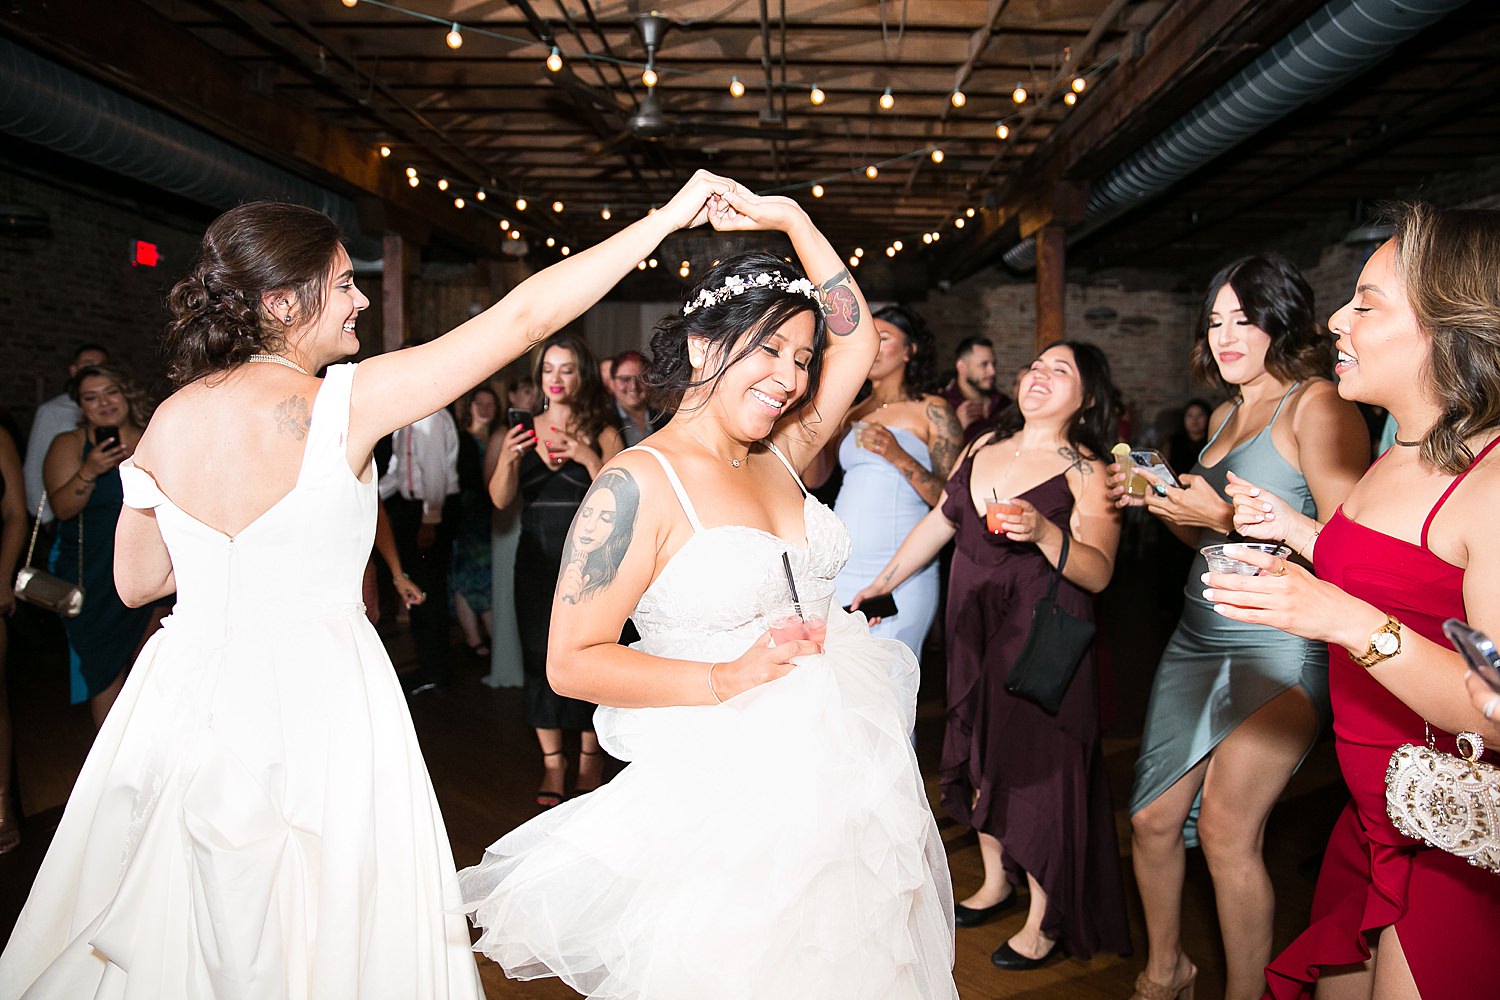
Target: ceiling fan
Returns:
[651, 121]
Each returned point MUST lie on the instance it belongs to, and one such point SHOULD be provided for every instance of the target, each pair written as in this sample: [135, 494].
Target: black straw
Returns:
[786, 564]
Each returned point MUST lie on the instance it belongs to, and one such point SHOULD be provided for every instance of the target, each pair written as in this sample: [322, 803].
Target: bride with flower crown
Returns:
[771, 837]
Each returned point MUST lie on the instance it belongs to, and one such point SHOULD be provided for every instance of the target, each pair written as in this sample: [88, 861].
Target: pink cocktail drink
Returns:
[995, 513]
[790, 628]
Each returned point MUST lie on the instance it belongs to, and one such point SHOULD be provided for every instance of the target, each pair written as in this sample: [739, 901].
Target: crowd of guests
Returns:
[1027, 495]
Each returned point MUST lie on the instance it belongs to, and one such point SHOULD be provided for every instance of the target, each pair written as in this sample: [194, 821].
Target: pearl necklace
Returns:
[276, 359]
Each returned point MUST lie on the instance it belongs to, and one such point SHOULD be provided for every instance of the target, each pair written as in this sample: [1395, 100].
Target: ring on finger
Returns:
[1490, 706]
[1280, 569]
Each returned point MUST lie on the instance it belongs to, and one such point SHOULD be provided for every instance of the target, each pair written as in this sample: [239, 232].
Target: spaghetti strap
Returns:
[1453, 486]
[1222, 424]
[1279, 405]
[682, 497]
[798, 479]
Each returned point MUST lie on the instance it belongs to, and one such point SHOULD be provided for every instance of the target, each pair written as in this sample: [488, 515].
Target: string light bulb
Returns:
[557, 206]
[640, 265]
[859, 251]
[649, 78]
[455, 37]
[853, 261]
[890, 251]
[479, 195]
[554, 60]
[350, 3]
[458, 202]
[411, 171]
[818, 97]
[736, 88]
[652, 262]
[413, 179]
[1079, 84]
[1019, 94]
[927, 238]
[515, 234]
[565, 251]
[682, 272]
[520, 204]
[551, 242]
[937, 155]
[442, 183]
[969, 213]
[958, 223]
[385, 151]
[1002, 130]
[504, 223]
[958, 98]
[887, 100]
[936, 236]
[872, 171]
[817, 190]
[604, 213]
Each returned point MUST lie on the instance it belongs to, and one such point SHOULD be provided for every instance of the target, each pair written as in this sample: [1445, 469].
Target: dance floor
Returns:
[486, 768]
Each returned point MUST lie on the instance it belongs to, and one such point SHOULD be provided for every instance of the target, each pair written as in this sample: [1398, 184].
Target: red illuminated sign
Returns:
[143, 254]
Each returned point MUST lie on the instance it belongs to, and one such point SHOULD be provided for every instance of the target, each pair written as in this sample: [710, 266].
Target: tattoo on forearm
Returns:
[292, 417]
[947, 438]
[600, 536]
[1076, 459]
[840, 304]
[885, 578]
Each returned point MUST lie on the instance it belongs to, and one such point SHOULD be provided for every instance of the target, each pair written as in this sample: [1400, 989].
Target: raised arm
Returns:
[397, 389]
[852, 340]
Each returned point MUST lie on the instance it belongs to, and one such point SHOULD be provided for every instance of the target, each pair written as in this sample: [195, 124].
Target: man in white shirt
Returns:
[56, 415]
[417, 486]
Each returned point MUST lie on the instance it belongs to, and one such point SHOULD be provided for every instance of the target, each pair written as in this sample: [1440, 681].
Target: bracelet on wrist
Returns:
[711, 690]
[84, 479]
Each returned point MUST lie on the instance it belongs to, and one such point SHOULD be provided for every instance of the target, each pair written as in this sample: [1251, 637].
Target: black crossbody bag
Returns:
[1053, 650]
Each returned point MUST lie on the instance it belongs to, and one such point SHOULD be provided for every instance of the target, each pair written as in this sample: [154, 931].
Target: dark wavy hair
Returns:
[1097, 422]
[592, 406]
[218, 318]
[1276, 298]
[918, 378]
[748, 319]
[1449, 264]
[140, 404]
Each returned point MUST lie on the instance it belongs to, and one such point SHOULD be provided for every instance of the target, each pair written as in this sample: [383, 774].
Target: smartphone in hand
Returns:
[879, 606]
[516, 415]
[1478, 649]
[1155, 463]
[106, 436]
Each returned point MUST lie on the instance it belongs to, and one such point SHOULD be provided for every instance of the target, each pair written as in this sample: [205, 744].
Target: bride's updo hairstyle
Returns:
[735, 323]
[218, 318]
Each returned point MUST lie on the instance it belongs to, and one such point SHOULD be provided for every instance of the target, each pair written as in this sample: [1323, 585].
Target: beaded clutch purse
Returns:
[1451, 803]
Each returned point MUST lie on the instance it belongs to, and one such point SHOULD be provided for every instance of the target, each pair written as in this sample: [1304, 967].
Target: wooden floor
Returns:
[485, 767]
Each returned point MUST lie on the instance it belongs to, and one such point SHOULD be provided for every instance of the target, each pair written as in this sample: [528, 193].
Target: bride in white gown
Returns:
[255, 819]
[771, 839]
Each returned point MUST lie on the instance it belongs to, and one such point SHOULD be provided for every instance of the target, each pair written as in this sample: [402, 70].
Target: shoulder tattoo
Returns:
[1076, 459]
[600, 536]
[840, 304]
[293, 417]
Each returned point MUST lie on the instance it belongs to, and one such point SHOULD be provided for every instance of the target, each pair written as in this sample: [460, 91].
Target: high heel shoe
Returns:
[1181, 989]
[548, 797]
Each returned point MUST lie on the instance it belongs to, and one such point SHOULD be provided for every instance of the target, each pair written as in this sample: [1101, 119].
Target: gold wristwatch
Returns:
[1385, 642]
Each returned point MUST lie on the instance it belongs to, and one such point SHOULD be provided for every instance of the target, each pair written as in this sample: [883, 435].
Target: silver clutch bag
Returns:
[35, 586]
[1451, 803]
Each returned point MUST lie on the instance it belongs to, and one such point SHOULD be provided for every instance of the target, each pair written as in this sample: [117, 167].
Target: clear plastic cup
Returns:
[807, 620]
[1218, 562]
[996, 511]
[859, 433]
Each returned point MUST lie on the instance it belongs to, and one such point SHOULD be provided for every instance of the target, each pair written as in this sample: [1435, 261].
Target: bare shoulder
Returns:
[1320, 398]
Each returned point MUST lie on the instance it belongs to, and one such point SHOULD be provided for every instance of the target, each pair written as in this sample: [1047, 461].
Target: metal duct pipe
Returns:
[1336, 44]
[54, 107]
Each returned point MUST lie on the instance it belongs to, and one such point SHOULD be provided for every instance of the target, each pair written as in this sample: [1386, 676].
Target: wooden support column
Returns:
[1051, 285]
[393, 292]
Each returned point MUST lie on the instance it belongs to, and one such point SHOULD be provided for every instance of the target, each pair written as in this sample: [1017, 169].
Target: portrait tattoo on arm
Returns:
[292, 417]
[600, 536]
[840, 304]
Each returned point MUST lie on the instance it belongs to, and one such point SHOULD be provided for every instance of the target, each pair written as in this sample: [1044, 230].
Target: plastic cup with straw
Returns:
[796, 620]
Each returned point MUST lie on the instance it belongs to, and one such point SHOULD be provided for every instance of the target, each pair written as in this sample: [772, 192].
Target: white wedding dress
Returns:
[255, 819]
[776, 847]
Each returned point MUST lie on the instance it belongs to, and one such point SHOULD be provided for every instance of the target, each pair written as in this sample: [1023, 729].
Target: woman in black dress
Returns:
[550, 466]
[1032, 785]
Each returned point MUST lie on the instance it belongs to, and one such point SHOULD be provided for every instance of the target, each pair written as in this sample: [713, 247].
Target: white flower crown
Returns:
[735, 285]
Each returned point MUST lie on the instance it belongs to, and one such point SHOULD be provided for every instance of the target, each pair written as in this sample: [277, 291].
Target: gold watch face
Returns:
[1385, 643]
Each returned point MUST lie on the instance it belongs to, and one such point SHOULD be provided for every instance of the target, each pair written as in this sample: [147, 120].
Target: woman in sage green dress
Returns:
[1235, 707]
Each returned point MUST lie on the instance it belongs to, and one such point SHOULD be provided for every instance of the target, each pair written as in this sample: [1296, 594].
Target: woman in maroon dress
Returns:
[1031, 784]
[1412, 545]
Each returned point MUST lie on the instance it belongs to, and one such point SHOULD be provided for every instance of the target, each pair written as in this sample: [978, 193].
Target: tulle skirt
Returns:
[777, 846]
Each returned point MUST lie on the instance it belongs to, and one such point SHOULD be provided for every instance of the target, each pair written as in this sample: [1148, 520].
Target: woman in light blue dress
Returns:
[896, 453]
[1235, 707]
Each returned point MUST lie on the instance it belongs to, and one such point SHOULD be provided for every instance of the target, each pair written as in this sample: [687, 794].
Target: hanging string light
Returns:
[652, 262]
[385, 151]
[1002, 130]
[1019, 94]
[349, 3]
[969, 213]
[926, 237]
[899, 246]
[959, 222]
[551, 242]
[1070, 98]
[1079, 84]
[937, 155]
[554, 60]
[736, 88]
[818, 97]
[859, 251]
[887, 100]
[411, 171]
[890, 251]
[504, 223]
[872, 171]
[565, 251]
[649, 78]
[458, 202]
[817, 190]
[442, 183]
[455, 38]
[520, 204]
[604, 213]
[479, 195]
[413, 179]
[957, 98]
[515, 234]
[557, 206]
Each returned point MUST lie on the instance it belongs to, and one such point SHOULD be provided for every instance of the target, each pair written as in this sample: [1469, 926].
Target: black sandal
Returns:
[546, 797]
[589, 753]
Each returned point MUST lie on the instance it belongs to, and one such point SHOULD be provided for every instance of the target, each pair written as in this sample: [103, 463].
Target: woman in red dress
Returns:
[1412, 545]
